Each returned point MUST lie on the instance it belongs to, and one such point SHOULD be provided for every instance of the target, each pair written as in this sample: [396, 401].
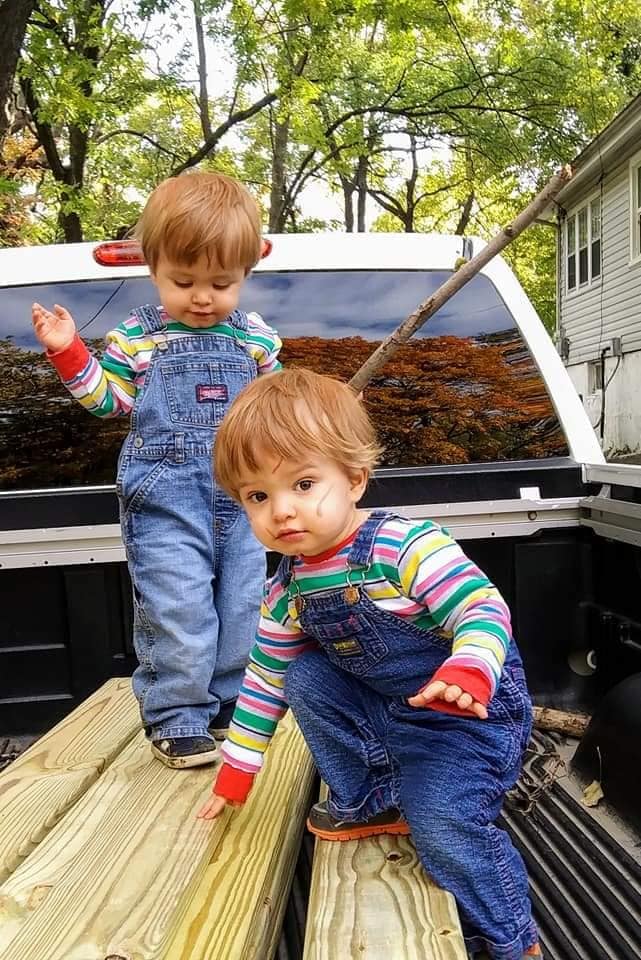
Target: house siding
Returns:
[611, 307]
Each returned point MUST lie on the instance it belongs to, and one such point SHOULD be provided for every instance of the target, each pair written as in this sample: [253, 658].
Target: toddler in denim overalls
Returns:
[391, 647]
[196, 568]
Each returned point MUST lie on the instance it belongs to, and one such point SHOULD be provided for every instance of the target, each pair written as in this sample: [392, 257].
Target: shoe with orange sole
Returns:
[322, 824]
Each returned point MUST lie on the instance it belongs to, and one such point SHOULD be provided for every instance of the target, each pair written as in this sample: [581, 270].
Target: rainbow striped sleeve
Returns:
[106, 387]
[263, 344]
[261, 701]
[435, 572]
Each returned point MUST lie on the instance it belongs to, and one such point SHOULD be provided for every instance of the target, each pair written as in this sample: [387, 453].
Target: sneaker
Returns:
[322, 824]
[219, 727]
[185, 751]
[532, 952]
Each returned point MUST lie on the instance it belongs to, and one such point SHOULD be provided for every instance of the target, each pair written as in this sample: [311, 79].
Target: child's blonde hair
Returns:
[289, 415]
[198, 213]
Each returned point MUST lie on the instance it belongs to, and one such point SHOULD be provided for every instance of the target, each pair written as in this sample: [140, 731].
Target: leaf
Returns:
[592, 794]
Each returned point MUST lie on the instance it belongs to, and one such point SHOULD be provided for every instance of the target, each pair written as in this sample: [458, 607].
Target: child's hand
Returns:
[214, 807]
[55, 331]
[451, 693]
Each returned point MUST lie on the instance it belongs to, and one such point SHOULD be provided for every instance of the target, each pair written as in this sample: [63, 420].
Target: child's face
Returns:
[198, 295]
[305, 506]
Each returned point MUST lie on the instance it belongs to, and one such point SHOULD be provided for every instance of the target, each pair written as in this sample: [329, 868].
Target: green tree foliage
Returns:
[443, 115]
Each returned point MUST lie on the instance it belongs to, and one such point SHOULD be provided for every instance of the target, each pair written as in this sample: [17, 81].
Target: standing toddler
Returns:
[174, 369]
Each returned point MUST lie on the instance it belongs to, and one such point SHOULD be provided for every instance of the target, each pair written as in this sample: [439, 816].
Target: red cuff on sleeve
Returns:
[233, 784]
[70, 361]
[469, 680]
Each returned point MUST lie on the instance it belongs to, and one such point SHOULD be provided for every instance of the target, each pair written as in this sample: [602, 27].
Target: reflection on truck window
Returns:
[464, 390]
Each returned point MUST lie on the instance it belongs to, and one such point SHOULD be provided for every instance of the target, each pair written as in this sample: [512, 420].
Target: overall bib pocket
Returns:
[199, 392]
[352, 644]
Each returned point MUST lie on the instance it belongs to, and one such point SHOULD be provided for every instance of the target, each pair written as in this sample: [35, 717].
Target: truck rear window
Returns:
[464, 390]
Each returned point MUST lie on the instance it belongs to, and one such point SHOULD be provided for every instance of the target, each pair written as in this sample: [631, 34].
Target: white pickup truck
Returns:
[483, 431]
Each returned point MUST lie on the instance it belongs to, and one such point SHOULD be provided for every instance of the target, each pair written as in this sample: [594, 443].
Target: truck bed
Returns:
[584, 863]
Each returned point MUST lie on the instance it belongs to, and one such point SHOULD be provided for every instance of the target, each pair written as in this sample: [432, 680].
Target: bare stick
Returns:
[458, 279]
[575, 724]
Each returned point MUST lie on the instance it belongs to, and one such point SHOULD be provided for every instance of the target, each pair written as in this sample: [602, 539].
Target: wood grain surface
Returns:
[38, 788]
[371, 900]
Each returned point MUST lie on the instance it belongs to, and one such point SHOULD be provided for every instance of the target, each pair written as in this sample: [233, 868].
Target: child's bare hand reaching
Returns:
[214, 807]
[56, 330]
[451, 693]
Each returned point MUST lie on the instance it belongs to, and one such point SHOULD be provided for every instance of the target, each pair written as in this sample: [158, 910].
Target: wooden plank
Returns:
[41, 785]
[114, 878]
[371, 900]
[238, 908]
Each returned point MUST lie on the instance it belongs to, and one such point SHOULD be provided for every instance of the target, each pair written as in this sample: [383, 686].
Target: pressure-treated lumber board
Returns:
[236, 912]
[112, 881]
[113, 878]
[41, 785]
[371, 900]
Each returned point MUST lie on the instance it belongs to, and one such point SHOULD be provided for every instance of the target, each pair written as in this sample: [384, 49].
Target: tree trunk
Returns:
[277, 211]
[410, 189]
[466, 212]
[203, 100]
[361, 196]
[14, 15]
[348, 203]
[70, 227]
[70, 173]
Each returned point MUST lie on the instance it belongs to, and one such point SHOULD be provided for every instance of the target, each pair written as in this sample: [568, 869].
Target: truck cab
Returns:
[483, 432]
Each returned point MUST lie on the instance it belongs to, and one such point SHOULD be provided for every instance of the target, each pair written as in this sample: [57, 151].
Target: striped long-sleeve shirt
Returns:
[108, 387]
[419, 574]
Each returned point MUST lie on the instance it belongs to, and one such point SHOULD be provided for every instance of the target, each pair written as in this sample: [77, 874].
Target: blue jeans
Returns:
[447, 774]
[196, 568]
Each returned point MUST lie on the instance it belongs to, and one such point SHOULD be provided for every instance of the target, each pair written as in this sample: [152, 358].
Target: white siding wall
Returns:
[593, 315]
[622, 425]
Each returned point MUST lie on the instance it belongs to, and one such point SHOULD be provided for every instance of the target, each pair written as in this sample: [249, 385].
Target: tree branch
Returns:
[141, 136]
[44, 132]
[238, 117]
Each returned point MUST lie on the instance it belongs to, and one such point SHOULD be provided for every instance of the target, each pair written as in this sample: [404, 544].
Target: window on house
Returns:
[595, 238]
[583, 238]
[635, 207]
[571, 253]
[583, 245]
[595, 376]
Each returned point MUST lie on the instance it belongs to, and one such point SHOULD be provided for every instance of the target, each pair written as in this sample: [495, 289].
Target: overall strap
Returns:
[150, 318]
[284, 572]
[359, 555]
[239, 320]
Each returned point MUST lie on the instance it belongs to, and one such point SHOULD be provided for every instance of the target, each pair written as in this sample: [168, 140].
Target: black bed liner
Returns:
[584, 865]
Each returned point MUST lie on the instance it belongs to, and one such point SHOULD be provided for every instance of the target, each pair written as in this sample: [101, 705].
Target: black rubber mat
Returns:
[585, 885]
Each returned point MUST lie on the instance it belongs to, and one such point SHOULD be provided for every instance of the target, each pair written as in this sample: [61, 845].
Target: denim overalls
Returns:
[448, 774]
[196, 568]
